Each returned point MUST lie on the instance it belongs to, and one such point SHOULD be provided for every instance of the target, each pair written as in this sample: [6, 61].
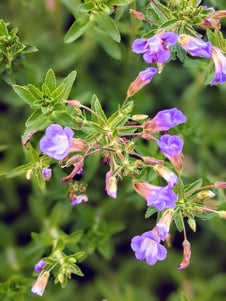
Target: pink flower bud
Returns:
[78, 145]
[40, 284]
[137, 14]
[220, 185]
[74, 103]
[187, 255]
[111, 185]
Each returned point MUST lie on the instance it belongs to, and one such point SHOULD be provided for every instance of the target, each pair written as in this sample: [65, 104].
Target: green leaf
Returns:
[120, 2]
[24, 94]
[195, 185]
[87, 6]
[58, 93]
[150, 211]
[77, 255]
[96, 107]
[158, 13]
[35, 92]
[60, 245]
[19, 170]
[178, 222]
[168, 24]
[108, 24]
[106, 42]
[73, 238]
[50, 80]
[68, 81]
[77, 29]
[64, 119]
[3, 29]
[206, 215]
[76, 270]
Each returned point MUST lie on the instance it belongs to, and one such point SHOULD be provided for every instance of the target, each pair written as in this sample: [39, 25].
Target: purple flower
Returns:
[172, 146]
[57, 141]
[164, 120]
[142, 79]
[195, 46]
[79, 199]
[46, 173]
[220, 66]
[154, 49]
[163, 224]
[167, 174]
[147, 247]
[39, 266]
[157, 196]
[111, 184]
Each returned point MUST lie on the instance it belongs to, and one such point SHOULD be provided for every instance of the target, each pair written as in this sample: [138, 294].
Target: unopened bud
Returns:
[166, 174]
[139, 164]
[74, 103]
[187, 255]
[150, 160]
[111, 185]
[137, 14]
[205, 194]
[139, 117]
[29, 174]
[60, 277]
[222, 214]
[220, 185]
[40, 284]
[46, 173]
[192, 224]
[72, 260]
[78, 145]
[130, 146]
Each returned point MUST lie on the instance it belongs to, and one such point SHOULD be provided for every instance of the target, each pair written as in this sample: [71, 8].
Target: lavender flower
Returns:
[220, 66]
[39, 266]
[171, 146]
[79, 200]
[154, 49]
[164, 120]
[195, 46]
[167, 174]
[142, 79]
[159, 197]
[46, 173]
[57, 141]
[147, 247]
[163, 224]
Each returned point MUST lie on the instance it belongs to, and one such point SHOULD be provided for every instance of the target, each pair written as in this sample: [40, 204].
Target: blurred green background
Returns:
[112, 273]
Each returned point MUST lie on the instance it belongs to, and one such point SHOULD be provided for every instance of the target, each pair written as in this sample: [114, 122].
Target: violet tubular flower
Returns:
[38, 267]
[147, 247]
[195, 46]
[220, 66]
[156, 196]
[154, 49]
[46, 173]
[172, 146]
[164, 120]
[57, 141]
[142, 79]
[80, 199]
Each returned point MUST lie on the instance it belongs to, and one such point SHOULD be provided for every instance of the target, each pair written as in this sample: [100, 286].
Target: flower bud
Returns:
[137, 14]
[139, 117]
[78, 145]
[187, 255]
[130, 146]
[220, 185]
[74, 103]
[60, 277]
[150, 160]
[111, 185]
[40, 284]
[166, 174]
[142, 79]
[163, 224]
[192, 224]
[46, 173]
[29, 174]
[222, 214]
[205, 194]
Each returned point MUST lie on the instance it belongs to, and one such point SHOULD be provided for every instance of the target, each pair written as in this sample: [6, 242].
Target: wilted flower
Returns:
[163, 224]
[159, 197]
[164, 120]
[111, 184]
[187, 255]
[57, 141]
[40, 284]
[195, 46]
[142, 79]
[154, 49]
[172, 146]
[46, 173]
[220, 66]
[39, 266]
[166, 174]
[79, 199]
[147, 247]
